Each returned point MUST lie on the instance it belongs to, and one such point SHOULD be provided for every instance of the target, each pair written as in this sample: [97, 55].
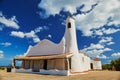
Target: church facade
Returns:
[49, 58]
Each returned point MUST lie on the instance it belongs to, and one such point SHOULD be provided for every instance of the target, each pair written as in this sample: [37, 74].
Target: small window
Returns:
[69, 25]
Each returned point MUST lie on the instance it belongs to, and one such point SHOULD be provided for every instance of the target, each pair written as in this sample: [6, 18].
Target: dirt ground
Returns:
[92, 75]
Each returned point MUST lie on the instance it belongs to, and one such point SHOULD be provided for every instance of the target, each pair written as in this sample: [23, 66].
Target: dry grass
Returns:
[92, 75]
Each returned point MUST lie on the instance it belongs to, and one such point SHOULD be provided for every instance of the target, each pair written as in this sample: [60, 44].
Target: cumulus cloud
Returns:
[105, 31]
[9, 22]
[27, 35]
[1, 54]
[95, 50]
[102, 56]
[55, 6]
[38, 29]
[94, 46]
[6, 44]
[17, 34]
[94, 19]
[98, 17]
[30, 34]
[33, 36]
[106, 40]
[111, 30]
[116, 54]
[110, 43]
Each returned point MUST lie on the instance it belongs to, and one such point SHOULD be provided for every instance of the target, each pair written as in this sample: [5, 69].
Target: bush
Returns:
[2, 68]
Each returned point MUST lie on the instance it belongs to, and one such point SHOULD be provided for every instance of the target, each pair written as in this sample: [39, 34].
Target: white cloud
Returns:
[106, 40]
[27, 35]
[105, 31]
[107, 49]
[50, 36]
[32, 35]
[110, 43]
[39, 29]
[6, 44]
[36, 39]
[11, 22]
[116, 54]
[99, 17]
[1, 54]
[98, 32]
[95, 19]
[102, 56]
[17, 34]
[95, 50]
[111, 31]
[94, 46]
[55, 6]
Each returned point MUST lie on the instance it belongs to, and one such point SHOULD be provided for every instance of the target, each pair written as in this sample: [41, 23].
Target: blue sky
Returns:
[27, 22]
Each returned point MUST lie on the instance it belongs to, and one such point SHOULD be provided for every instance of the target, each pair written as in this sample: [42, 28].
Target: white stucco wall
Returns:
[97, 65]
[84, 62]
[46, 47]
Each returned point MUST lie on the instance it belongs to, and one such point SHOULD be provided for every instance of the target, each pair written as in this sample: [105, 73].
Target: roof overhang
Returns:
[57, 56]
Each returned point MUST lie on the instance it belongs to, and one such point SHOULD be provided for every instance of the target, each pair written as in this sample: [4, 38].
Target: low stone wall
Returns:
[21, 70]
[55, 72]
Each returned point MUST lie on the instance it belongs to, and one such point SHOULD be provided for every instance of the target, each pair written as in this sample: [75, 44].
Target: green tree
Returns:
[116, 64]
[106, 67]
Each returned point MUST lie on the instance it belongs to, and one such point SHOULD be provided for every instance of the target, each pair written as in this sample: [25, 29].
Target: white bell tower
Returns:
[71, 44]
[70, 36]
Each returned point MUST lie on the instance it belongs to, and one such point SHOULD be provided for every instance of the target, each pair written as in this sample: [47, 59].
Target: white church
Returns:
[61, 59]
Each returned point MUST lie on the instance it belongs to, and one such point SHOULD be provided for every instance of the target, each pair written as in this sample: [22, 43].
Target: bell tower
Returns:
[70, 36]
[71, 44]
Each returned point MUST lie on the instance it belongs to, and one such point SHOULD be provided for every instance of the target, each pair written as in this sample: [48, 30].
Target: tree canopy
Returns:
[114, 65]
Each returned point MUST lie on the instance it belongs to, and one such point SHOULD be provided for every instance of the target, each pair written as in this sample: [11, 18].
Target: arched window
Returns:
[69, 25]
